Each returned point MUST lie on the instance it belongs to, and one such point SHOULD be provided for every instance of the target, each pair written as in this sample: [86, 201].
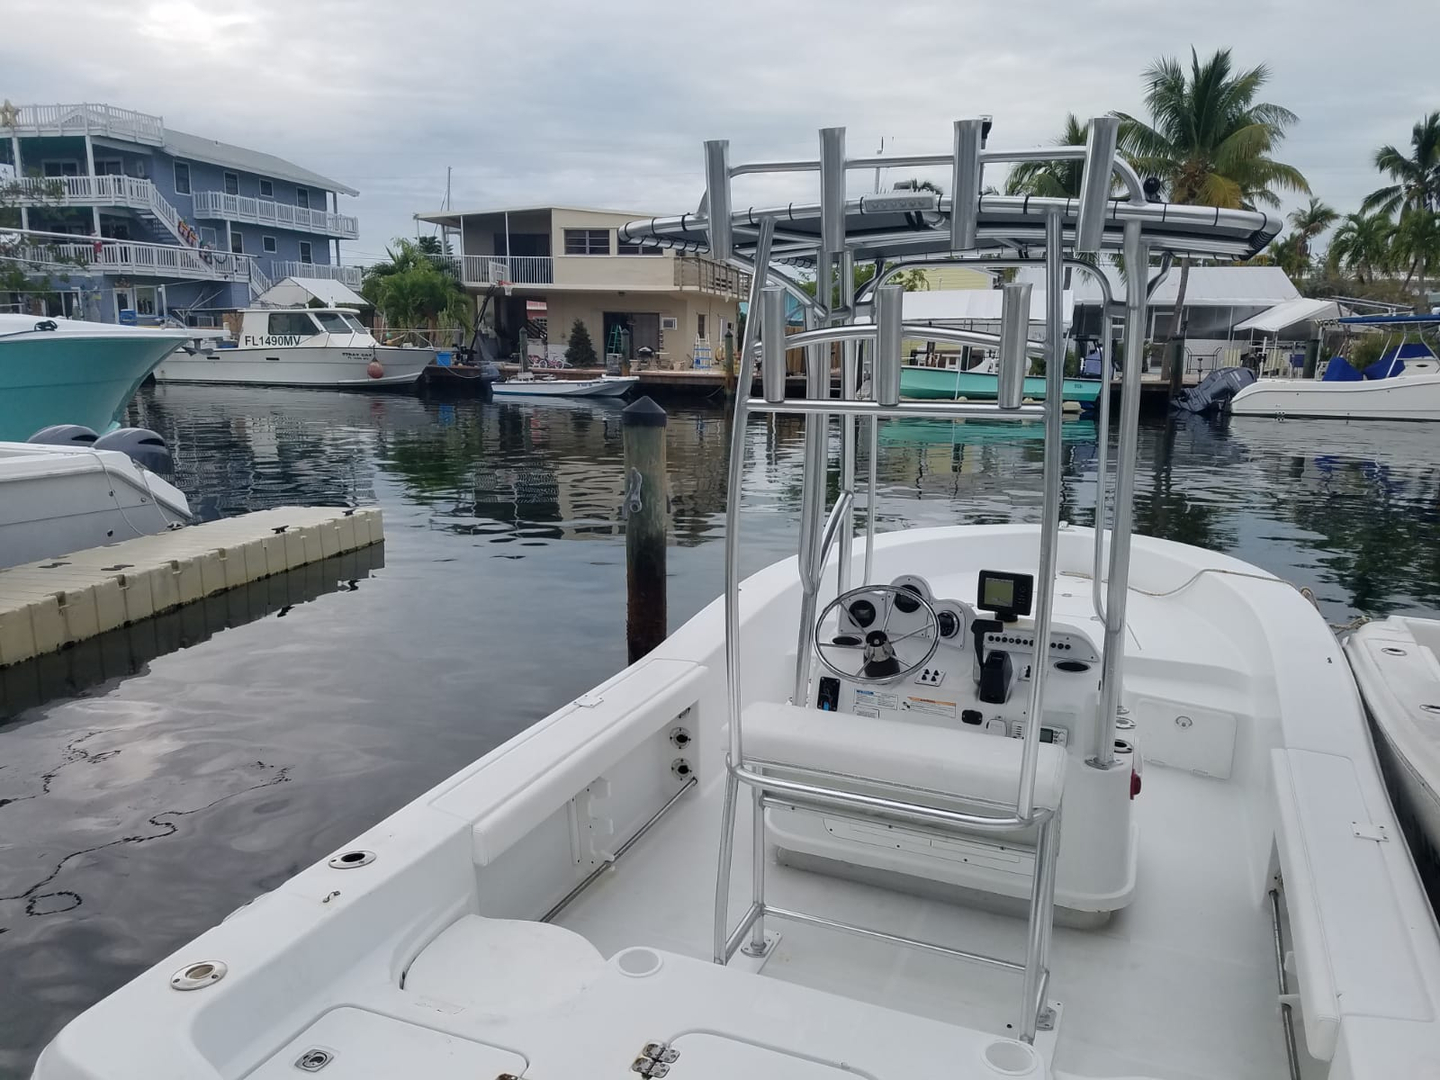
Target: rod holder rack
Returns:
[1014, 326]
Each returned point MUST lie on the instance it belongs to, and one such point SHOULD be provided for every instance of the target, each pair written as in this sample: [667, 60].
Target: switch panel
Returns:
[930, 676]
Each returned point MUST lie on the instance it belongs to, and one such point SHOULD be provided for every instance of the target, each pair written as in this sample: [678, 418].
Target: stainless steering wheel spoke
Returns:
[877, 648]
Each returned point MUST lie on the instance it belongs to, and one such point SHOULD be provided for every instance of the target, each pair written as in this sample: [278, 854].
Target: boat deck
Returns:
[1179, 985]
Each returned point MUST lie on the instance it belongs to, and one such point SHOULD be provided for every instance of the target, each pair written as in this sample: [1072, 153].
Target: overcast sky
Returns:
[606, 102]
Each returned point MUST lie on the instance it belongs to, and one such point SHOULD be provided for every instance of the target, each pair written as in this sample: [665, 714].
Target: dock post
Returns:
[729, 362]
[1176, 349]
[1312, 358]
[646, 506]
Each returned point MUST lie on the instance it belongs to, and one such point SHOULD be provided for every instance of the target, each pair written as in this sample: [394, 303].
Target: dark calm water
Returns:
[157, 790]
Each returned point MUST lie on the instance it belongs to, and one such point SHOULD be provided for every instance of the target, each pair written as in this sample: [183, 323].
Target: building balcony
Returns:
[517, 269]
[104, 120]
[349, 276]
[127, 259]
[707, 275]
[217, 205]
[128, 191]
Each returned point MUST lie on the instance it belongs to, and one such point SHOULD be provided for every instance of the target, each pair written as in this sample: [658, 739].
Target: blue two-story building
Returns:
[122, 215]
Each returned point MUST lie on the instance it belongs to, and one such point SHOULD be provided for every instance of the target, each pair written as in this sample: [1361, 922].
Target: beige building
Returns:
[565, 263]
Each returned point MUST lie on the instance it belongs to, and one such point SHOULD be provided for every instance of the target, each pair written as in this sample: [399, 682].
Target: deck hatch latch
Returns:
[655, 1059]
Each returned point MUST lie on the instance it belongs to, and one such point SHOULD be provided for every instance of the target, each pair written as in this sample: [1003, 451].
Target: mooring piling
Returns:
[646, 506]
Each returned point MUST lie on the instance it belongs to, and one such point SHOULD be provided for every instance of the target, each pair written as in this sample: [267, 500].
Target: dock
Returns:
[54, 603]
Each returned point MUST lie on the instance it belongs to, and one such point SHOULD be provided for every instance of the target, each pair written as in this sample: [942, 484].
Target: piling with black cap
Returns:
[646, 506]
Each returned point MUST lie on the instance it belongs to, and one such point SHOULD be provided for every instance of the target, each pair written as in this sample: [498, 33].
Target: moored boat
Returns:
[317, 347]
[68, 371]
[550, 386]
[885, 733]
[922, 383]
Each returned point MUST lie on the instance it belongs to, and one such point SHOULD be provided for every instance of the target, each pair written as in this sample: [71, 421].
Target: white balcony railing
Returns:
[346, 275]
[126, 258]
[218, 204]
[517, 269]
[128, 191]
[89, 119]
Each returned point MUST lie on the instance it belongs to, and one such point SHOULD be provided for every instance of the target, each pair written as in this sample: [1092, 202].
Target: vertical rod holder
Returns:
[965, 184]
[1014, 336]
[717, 198]
[1095, 181]
[772, 343]
[890, 331]
[832, 200]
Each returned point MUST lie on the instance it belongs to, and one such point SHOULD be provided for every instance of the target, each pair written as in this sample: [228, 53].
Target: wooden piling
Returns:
[645, 509]
[729, 362]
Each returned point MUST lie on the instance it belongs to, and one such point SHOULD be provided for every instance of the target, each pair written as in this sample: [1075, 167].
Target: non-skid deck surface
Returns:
[1178, 986]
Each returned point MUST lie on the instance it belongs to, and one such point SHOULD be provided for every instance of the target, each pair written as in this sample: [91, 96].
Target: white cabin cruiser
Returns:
[320, 347]
[938, 736]
[1404, 384]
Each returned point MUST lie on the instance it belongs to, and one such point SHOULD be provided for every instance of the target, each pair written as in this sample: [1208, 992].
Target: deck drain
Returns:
[198, 976]
[1391, 650]
[1430, 708]
[314, 1059]
[349, 860]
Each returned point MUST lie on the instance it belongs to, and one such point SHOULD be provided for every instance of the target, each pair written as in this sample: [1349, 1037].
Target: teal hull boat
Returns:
[927, 383]
[76, 373]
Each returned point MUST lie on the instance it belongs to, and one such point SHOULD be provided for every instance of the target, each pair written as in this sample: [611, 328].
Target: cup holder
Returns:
[638, 962]
[1008, 1058]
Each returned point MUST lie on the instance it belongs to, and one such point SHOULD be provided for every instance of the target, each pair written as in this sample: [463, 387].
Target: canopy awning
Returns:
[1277, 318]
[975, 305]
[299, 291]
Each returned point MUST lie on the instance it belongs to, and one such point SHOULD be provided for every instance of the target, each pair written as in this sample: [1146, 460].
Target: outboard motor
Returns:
[64, 435]
[1215, 390]
[145, 447]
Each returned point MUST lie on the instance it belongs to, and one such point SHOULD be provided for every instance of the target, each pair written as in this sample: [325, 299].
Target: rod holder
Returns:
[772, 343]
[890, 332]
[965, 184]
[1014, 336]
[717, 198]
[832, 193]
[1095, 181]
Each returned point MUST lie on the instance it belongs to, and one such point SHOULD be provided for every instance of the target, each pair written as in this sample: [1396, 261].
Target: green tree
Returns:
[1288, 253]
[416, 288]
[1055, 179]
[1416, 175]
[1309, 222]
[580, 352]
[1417, 243]
[1362, 245]
[1209, 140]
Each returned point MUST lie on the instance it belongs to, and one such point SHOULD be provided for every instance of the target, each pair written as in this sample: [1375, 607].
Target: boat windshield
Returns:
[338, 322]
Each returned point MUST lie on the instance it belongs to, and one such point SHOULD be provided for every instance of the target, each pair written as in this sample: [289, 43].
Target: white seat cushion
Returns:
[956, 762]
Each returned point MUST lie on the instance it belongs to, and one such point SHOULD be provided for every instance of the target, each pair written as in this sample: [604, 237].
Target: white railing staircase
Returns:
[131, 192]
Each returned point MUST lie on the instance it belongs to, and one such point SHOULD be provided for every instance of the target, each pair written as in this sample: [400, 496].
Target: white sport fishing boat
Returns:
[1009, 801]
[1404, 384]
[528, 385]
[1397, 665]
[318, 347]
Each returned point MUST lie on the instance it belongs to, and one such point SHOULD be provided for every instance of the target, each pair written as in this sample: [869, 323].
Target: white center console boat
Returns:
[972, 802]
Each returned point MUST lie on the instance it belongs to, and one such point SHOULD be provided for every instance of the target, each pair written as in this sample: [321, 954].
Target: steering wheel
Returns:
[871, 656]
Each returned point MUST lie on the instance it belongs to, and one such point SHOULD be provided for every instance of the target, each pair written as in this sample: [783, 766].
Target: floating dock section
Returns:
[51, 604]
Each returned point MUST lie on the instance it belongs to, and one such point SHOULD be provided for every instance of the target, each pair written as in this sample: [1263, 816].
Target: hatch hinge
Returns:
[655, 1059]
[1367, 830]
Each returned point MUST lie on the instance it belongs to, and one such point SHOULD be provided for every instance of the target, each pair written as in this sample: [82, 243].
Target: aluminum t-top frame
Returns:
[895, 230]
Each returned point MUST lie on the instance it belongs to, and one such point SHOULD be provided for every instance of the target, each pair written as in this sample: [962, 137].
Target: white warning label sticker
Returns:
[873, 701]
[929, 706]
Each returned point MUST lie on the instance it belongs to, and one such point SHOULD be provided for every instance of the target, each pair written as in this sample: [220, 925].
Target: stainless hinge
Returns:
[655, 1059]
[1367, 830]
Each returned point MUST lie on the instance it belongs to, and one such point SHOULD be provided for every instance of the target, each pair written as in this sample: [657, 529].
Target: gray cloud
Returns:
[607, 103]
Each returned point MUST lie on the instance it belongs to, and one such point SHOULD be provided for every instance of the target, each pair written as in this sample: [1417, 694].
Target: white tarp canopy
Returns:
[1207, 286]
[944, 306]
[1277, 318]
[299, 291]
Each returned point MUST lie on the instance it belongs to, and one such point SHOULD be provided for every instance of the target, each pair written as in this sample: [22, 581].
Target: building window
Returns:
[110, 167]
[622, 248]
[237, 242]
[207, 236]
[267, 189]
[700, 326]
[305, 255]
[232, 184]
[587, 241]
[145, 300]
[283, 323]
[182, 178]
[136, 169]
[268, 243]
[61, 168]
[302, 197]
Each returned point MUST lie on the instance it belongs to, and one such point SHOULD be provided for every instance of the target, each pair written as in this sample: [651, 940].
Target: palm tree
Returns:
[1309, 222]
[1362, 244]
[1057, 179]
[1290, 254]
[1417, 177]
[1417, 241]
[1209, 140]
